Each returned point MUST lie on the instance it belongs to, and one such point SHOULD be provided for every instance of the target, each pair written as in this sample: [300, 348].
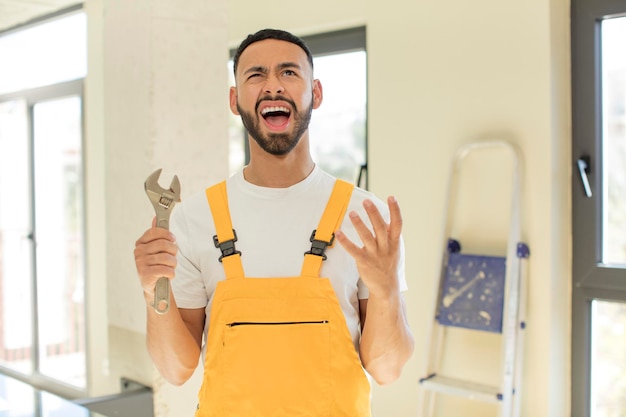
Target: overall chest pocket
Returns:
[277, 368]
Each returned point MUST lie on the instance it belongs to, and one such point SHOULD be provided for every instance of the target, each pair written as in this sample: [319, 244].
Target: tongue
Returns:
[277, 120]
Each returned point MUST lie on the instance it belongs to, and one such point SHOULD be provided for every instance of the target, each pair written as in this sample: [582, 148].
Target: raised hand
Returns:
[377, 260]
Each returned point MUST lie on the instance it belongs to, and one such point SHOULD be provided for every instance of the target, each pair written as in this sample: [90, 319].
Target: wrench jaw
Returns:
[175, 188]
[162, 199]
[164, 196]
[152, 182]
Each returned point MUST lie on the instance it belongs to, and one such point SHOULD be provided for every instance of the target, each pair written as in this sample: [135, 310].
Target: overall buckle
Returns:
[318, 247]
[227, 247]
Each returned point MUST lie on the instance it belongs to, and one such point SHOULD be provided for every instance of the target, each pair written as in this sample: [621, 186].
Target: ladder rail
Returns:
[512, 289]
[517, 399]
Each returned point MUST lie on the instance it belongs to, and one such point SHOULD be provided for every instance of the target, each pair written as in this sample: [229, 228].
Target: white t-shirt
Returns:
[273, 227]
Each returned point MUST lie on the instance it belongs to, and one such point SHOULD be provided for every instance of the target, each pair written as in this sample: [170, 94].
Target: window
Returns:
[18, 399]
[599, 208]
[338, 128]
[42, 312]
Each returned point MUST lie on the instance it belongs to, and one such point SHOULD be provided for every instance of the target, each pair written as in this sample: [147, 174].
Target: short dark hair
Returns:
[264, 34]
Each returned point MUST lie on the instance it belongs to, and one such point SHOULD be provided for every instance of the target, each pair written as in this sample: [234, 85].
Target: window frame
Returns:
[43, 19]
[591, 279]
[32, 97]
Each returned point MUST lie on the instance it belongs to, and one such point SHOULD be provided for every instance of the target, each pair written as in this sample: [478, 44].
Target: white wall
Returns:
[440, 75]
[155, 98]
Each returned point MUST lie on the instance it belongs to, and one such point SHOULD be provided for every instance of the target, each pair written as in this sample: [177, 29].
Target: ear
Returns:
[233, 101]
[318, 94]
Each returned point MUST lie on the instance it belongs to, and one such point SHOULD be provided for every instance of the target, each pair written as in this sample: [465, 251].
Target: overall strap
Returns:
[226, 236]
[324, 235]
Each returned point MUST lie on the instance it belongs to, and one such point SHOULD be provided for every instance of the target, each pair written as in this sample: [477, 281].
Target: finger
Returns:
[366, 235]
[153, 272]
[161, 271]
[352, 249]
[155, 247]
[150, 276]
[152, 267]
[162, 258]
[376, 218]
[395, 225]
[155, 233]
[379, 225]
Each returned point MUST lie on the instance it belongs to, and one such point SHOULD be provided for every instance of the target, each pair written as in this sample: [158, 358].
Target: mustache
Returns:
[275, 98]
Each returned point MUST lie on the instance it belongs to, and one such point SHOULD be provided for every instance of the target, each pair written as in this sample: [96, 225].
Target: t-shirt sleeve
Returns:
[187, 286]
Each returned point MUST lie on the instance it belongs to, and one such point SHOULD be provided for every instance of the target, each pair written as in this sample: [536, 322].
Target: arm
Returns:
[174, 339]
[386, 341]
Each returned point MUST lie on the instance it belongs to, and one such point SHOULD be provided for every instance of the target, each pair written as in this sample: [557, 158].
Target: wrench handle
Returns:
[162, 288]
[162, 296]
[163, 222]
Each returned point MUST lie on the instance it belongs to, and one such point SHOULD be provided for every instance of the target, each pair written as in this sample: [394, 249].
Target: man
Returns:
[291, 343]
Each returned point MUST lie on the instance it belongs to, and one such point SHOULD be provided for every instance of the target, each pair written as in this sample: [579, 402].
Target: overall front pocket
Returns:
[277, 368]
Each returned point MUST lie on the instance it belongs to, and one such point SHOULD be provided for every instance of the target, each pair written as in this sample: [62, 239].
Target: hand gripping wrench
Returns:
[163, 201]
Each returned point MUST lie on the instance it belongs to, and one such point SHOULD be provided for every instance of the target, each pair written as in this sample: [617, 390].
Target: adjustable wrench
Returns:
[163, 201]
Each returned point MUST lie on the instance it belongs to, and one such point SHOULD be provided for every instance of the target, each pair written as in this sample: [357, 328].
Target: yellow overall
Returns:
[280, 347]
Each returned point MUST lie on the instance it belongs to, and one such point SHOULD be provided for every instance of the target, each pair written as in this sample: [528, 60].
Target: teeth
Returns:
[274, 109]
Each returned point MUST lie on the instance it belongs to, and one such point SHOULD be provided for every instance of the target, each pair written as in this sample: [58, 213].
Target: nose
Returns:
[273, 85]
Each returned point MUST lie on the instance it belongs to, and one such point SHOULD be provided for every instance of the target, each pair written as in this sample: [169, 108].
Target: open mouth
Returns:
[276, 116]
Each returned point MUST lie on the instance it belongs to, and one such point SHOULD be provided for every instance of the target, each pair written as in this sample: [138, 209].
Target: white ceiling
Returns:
[16, 12]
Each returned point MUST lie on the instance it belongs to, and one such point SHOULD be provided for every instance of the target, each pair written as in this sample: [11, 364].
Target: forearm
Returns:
[171, 345]
[386, 341]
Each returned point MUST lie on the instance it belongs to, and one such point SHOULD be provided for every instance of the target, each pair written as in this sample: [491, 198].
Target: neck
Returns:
[266, 170]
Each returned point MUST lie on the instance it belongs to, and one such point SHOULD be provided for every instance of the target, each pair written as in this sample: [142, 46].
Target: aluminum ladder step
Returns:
[459, 387]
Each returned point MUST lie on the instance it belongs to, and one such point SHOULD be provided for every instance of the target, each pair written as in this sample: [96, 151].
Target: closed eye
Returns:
[255, 71]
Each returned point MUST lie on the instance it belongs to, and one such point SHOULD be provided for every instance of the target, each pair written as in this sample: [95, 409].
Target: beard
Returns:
[277, 143]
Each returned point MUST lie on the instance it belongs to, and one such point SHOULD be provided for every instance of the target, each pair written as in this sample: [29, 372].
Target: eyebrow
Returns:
[288, 65]
[264, 70]
[256, 68]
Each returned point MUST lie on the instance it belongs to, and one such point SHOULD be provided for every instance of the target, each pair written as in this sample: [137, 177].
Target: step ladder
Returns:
[481, 293]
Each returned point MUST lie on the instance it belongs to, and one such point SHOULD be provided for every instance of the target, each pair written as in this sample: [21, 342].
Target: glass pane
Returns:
[614, 140]
[59, 230]
[58, 46]
[338, 126]
[17, 399]
[608, 359]
[15, 246]
[53, 406]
